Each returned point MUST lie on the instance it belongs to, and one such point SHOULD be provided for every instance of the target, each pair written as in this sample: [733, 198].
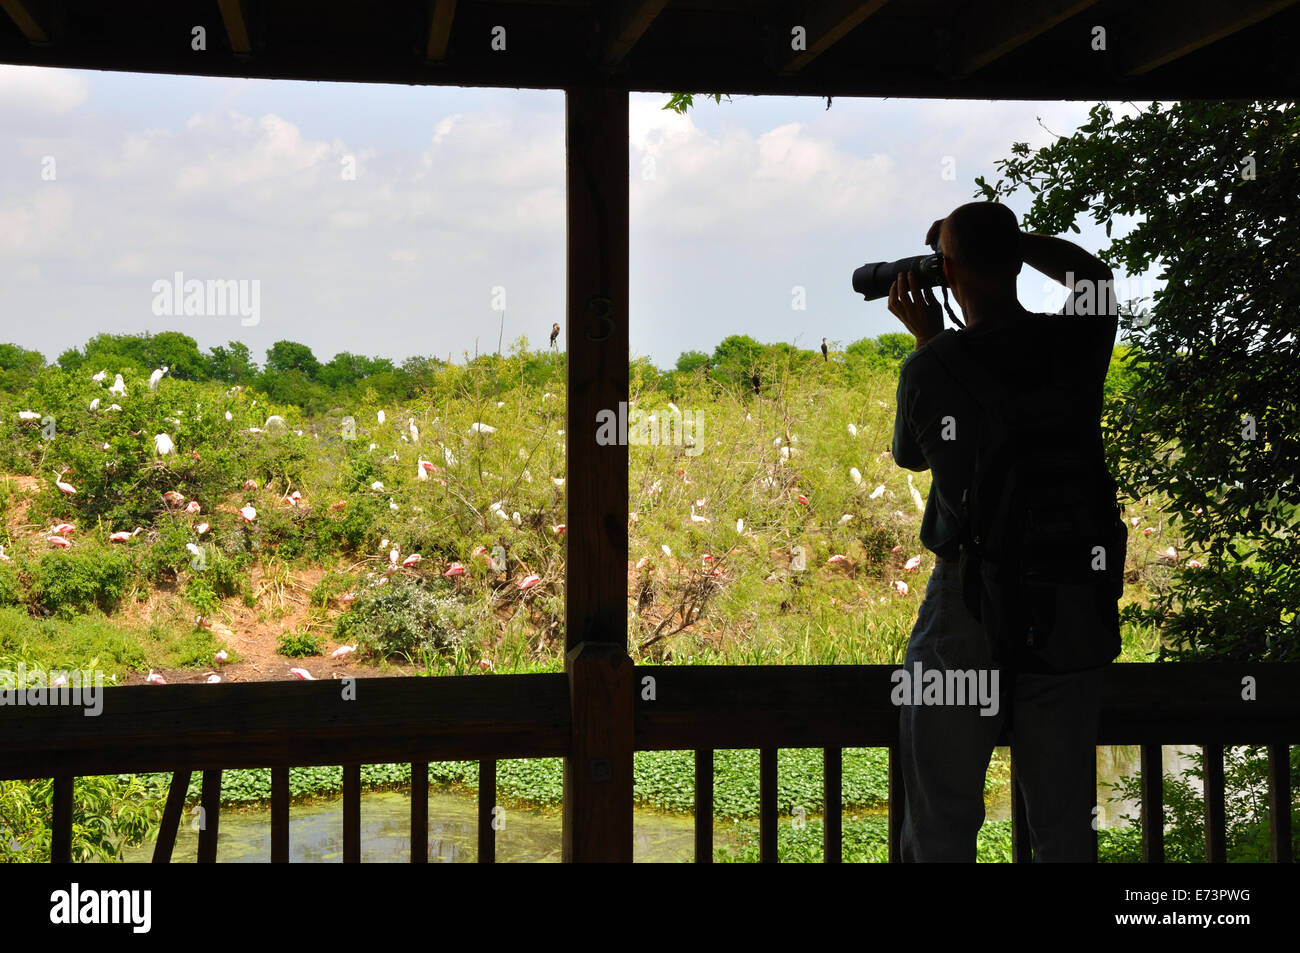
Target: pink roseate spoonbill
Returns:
[248, 513]
[1134, 520]
[454, 570]
[558, 529]
[59, 681]
[59, 542]
[66, 488]
[194, 455]
[411, 560]
[202, 622]
[1147, 531]
[837, 558]
[193, 507]
[482, 553]
[303, 674]
[394, 554]
[1195, 564]
[912, 564]
[63, 529]
[174, 498]
[343, 651]
[202, 528]
[250, 484]
[529, 581]
[421, 471]
[802, 499]
[123, 536]
[485, 664]
[153, 678]
[221, 656]
[897, 549]
[349, 598]
[642, 563]
[633, 519]
[338, 505]
[900, 587]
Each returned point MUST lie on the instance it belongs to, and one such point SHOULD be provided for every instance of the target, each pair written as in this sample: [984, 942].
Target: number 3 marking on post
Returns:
[601, 308]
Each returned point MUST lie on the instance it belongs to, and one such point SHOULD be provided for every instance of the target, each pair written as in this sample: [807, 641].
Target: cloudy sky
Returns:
[383, 219]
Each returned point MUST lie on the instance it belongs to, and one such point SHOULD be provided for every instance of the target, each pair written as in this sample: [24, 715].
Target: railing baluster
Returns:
[280, 815]
[61, 829]
[487, 796]
[1279, 803]
[1021, 848]
[1153, 804]
[832, 819]
[419, 812]
[209, 817]
[171, 819]
[1216, 837]
[351, 813]
[767, 852]
[895, 807]
[704, 806]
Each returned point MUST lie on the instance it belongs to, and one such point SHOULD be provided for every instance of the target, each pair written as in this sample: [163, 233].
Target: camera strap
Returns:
[955, 320]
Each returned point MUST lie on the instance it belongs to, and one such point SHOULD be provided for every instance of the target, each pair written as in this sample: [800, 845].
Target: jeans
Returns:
[945, 749]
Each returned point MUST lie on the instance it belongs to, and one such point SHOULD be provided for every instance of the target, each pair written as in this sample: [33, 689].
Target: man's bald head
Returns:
[984, 239]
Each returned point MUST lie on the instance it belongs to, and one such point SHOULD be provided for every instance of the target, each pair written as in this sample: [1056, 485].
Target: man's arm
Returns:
[905, 450]
[1057, 258]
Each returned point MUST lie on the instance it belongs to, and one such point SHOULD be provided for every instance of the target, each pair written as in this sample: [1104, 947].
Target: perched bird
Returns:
[59, 542]
[162, 444]
[155, 679]
[411, 560]
[248, 513]
[380, 416]
[825, 353]
[119, 386]
[856, 475]
[303, 674]
[912, 564]
[63, 529]
[555, 333]
[67, 488]
[156, 376]
[99, 378]
[529, 581]
[94, 404]
[174, 498]
[916, 495]
[878, 492]
[28, 415]
[853, 430]
[193, 507]
[415, 431]
[122, 536]
[755, 381]
[343, 651]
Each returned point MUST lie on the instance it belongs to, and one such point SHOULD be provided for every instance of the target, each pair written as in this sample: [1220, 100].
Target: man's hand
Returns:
[916, 307]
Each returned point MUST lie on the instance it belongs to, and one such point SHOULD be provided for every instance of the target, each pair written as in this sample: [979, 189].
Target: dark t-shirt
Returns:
[1071, 351]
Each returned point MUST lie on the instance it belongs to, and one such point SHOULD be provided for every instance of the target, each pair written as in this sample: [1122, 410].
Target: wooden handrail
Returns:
[184, 728]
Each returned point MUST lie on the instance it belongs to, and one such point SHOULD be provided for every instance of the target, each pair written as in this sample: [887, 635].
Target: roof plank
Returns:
[1198, 23]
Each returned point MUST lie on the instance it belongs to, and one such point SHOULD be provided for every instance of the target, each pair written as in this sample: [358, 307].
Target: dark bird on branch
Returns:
[555, 333]
[825, 356]
[754, 380]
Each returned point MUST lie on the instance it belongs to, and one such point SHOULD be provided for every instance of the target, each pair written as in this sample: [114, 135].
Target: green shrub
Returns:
[408, 619]
[299, 644]
[11, 588]
[68, 582]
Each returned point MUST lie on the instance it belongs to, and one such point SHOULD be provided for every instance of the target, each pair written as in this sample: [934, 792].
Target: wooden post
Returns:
[598, 769]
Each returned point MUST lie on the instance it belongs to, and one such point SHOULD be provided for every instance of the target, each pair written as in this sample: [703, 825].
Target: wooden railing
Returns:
[210, 728]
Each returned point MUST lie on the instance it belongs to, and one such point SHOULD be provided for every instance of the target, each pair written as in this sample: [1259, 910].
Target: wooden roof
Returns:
[1022, 49]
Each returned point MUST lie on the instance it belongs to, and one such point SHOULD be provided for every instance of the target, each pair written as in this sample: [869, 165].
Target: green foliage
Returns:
[18, 367]
[109, 813]
[1218, 356]
[70, 581]
[300, 644]
[408, 619]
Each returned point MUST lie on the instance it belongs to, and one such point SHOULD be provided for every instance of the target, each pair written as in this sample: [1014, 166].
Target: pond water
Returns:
[528, 835]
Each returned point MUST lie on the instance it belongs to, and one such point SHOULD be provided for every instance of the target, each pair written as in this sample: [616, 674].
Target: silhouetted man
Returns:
[945, 748]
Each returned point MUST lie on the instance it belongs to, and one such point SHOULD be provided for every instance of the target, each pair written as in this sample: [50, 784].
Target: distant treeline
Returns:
[293, 374]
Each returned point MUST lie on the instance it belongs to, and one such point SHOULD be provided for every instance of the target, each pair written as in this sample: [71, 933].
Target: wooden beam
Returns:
[441, 15]
[25, 21]
[987, 34]
[232, 15]
[829, 24]
[1196, 24]
[626, 23]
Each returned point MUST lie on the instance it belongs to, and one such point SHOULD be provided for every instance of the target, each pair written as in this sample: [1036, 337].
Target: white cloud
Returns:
[32, 90]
